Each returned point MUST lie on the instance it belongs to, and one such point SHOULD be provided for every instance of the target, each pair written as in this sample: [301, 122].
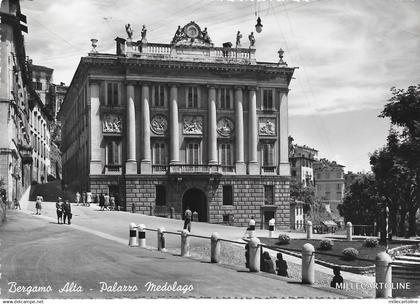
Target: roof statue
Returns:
[143, 34]
[191, 34]
[129, 31]
[251, 40]
[238, 39]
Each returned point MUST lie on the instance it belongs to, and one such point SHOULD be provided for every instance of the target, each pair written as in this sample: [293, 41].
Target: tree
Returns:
[360, 202]
[397, 166]
[304, 194]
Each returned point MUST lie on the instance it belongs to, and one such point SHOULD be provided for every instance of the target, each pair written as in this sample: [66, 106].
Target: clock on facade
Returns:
[192, 31]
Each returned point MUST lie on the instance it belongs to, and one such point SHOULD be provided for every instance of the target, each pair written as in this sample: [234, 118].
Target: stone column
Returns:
[131, 164]
[173, 126]
[95, 131]
[253, 166]
[146, 162]
[239, 132]
[212, 127]
[284, 166]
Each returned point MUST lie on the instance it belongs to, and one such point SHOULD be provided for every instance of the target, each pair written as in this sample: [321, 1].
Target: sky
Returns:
[349, 53]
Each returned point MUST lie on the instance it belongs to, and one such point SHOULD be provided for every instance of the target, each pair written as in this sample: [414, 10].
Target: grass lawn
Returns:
[364, 252]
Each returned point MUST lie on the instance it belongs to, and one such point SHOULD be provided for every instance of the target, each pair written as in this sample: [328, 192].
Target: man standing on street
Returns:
[187, 219]
[67, 212]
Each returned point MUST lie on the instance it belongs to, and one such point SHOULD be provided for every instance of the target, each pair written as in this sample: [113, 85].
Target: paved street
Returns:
[38, 252]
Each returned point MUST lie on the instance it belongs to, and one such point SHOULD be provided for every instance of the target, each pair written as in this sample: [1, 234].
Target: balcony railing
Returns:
[113, 169]
[159, 169]
[268, 170]
[186, 52]
[210, 169]
[228, 169]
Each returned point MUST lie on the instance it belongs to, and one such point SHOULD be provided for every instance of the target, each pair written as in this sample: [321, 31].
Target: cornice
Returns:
[185, 65]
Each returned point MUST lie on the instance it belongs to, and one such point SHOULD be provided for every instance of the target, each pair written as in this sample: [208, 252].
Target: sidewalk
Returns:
[115, 225]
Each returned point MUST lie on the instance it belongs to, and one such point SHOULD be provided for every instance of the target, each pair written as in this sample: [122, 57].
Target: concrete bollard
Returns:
[254, 255]
[172, 212]
[349, 228]
[271, 227]
[383, 275]
[185, 243]
[161, 239]
[309, 230]
[251, 224]
[132, 239]
[142, 235]
[308, 264]
[215, 248]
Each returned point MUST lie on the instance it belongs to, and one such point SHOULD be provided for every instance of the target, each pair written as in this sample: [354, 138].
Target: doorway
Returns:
[196, 200]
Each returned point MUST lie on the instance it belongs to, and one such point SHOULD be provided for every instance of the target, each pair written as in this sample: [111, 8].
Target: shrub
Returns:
[325, 245]
[371, 242]
[350, 254]
[284, 239]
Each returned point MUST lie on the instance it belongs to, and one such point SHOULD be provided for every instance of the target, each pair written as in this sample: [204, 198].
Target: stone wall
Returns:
[138, 194]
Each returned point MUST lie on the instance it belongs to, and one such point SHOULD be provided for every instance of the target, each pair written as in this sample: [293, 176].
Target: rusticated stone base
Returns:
[138, 194]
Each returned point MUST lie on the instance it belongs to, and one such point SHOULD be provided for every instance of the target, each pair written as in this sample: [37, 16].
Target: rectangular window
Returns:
[193, 150]
[227, 195]
[338, 174]
[225, 154]
[38, 85]
[159, 96]
[192, 97]
[268, 155]
[338, 187]
[112, 94]
[268, 100]
[113, 153]
[159, 154]
[268, 195]
[160, 195]
[225, 101]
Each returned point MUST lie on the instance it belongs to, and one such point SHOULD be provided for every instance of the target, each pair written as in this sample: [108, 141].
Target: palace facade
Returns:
[165, 126]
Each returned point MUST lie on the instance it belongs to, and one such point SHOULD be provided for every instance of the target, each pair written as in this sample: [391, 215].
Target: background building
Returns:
[40, 122]
[301, 160]
[329, 183]
[297, 218]
[15, 144]
[181, 124]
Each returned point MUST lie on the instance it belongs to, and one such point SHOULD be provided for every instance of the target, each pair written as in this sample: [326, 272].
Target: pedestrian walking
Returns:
[38, 205]
[59, 209]
[337, 281]
[77, 198]
[281, 266]
[106, 201]
[17, 204]
[101, 201]
[267, 264]
[112, 203]
[67, 212]
[88, 198]
[187, 219]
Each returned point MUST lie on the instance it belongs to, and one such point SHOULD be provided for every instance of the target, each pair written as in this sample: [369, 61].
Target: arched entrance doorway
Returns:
[196, 200]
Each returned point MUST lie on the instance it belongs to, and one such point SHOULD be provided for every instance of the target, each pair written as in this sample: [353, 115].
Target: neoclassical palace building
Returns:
[166, 126]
